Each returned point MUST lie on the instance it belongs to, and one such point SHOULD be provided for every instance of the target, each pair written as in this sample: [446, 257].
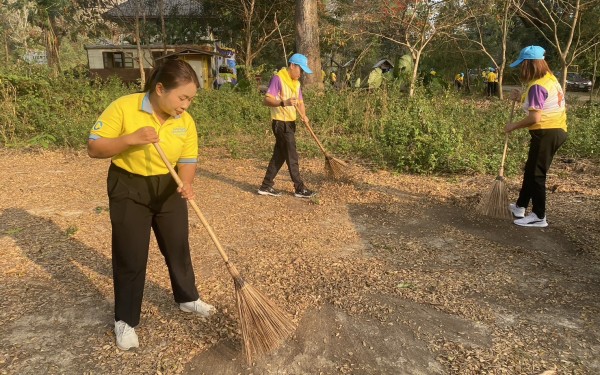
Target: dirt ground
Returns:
[384, 274]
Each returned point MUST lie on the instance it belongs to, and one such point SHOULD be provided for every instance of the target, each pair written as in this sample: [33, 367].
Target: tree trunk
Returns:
[139, 47]
[307, 40]
[51, 41]
[594, 72]
[248, 15]
[413, 77]
[163, 28]
[467, 85]
[563, 78]
[6, 51]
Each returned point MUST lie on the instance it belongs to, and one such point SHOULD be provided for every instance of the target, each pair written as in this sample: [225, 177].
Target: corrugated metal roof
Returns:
[145, 46]
[188, 51]
[150, 9]
[381, 62]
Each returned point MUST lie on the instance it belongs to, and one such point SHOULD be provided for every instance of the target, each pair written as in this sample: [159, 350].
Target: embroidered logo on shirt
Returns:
[179, 132]
[98, 125]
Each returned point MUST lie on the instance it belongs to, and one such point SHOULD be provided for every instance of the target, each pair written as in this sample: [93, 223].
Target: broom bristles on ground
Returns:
[335, 167]
[264, 325]
[495, 202]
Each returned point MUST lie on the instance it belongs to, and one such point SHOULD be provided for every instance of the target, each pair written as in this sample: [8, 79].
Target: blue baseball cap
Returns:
[529, 53]
[300, 60]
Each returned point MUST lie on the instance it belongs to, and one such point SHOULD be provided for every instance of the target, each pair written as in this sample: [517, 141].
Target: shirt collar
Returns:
[147, 106]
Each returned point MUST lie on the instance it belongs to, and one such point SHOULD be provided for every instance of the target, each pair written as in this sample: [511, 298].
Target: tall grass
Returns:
[439, 132]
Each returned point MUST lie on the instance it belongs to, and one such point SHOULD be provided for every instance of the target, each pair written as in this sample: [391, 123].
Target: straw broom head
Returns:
[335, 167]
[495, 202]
[264, 325]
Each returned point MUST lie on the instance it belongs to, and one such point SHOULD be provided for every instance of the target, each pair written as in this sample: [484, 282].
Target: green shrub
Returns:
[432, 132]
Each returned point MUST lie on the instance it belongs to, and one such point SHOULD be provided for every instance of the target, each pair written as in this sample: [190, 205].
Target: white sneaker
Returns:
[532, 220]
[199, 307]
[126, 336]
[518, 212]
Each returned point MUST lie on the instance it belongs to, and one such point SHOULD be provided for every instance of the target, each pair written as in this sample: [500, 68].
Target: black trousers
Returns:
[138, 204]
[492, 88]
[284, 151]
[542, 147]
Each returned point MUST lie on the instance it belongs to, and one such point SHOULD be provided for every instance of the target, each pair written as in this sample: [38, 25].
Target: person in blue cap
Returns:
[284, 97]
[546, 120]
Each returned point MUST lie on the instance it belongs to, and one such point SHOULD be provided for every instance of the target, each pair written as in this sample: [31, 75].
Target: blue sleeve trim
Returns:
[187, 161]
[93, 137]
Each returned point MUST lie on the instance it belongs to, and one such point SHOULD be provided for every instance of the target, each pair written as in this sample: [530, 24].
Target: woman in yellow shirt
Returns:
[142, 194]
[546, 121]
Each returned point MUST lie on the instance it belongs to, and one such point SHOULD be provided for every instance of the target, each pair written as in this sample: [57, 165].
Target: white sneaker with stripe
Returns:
[532, 220]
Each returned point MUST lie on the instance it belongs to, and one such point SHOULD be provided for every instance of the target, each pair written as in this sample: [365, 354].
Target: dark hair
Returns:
[533, 69]
[171, 74]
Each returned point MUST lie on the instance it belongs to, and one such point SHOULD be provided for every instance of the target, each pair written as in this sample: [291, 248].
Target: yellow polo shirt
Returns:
[178, 136]
[283, 87]
[547, 98]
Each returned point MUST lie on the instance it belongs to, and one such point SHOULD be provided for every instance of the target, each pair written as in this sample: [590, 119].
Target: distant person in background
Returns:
[219, 80]
[143, 197]
[429, 77]
[333, 78]
[284, 98]
[492, 86]
[546, 120]
[458, 80]
[484, 79]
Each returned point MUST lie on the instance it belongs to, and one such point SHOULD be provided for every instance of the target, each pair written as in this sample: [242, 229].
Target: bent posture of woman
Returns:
[546, 120]
[143, 195]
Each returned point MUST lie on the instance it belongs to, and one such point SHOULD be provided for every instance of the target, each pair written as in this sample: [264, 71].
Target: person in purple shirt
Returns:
[546, 120]
[284, 98]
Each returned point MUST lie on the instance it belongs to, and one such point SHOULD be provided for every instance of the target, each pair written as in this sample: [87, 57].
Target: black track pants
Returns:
[542, 147]
[137, 204]
[284, 152]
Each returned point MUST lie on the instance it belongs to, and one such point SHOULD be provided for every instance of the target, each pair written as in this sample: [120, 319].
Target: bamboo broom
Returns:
[334, 166]
[264, 326]
[495, 202]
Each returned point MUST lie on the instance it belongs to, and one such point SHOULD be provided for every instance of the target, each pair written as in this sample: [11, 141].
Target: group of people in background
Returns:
[143, 197]
[489, 78]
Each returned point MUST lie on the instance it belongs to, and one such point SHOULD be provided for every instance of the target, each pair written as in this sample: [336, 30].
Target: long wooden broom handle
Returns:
[313, 134]
[512, 113]
[212, 234]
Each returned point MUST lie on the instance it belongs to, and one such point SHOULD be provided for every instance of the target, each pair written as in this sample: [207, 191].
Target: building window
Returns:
[157, 54]
[117, 60]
